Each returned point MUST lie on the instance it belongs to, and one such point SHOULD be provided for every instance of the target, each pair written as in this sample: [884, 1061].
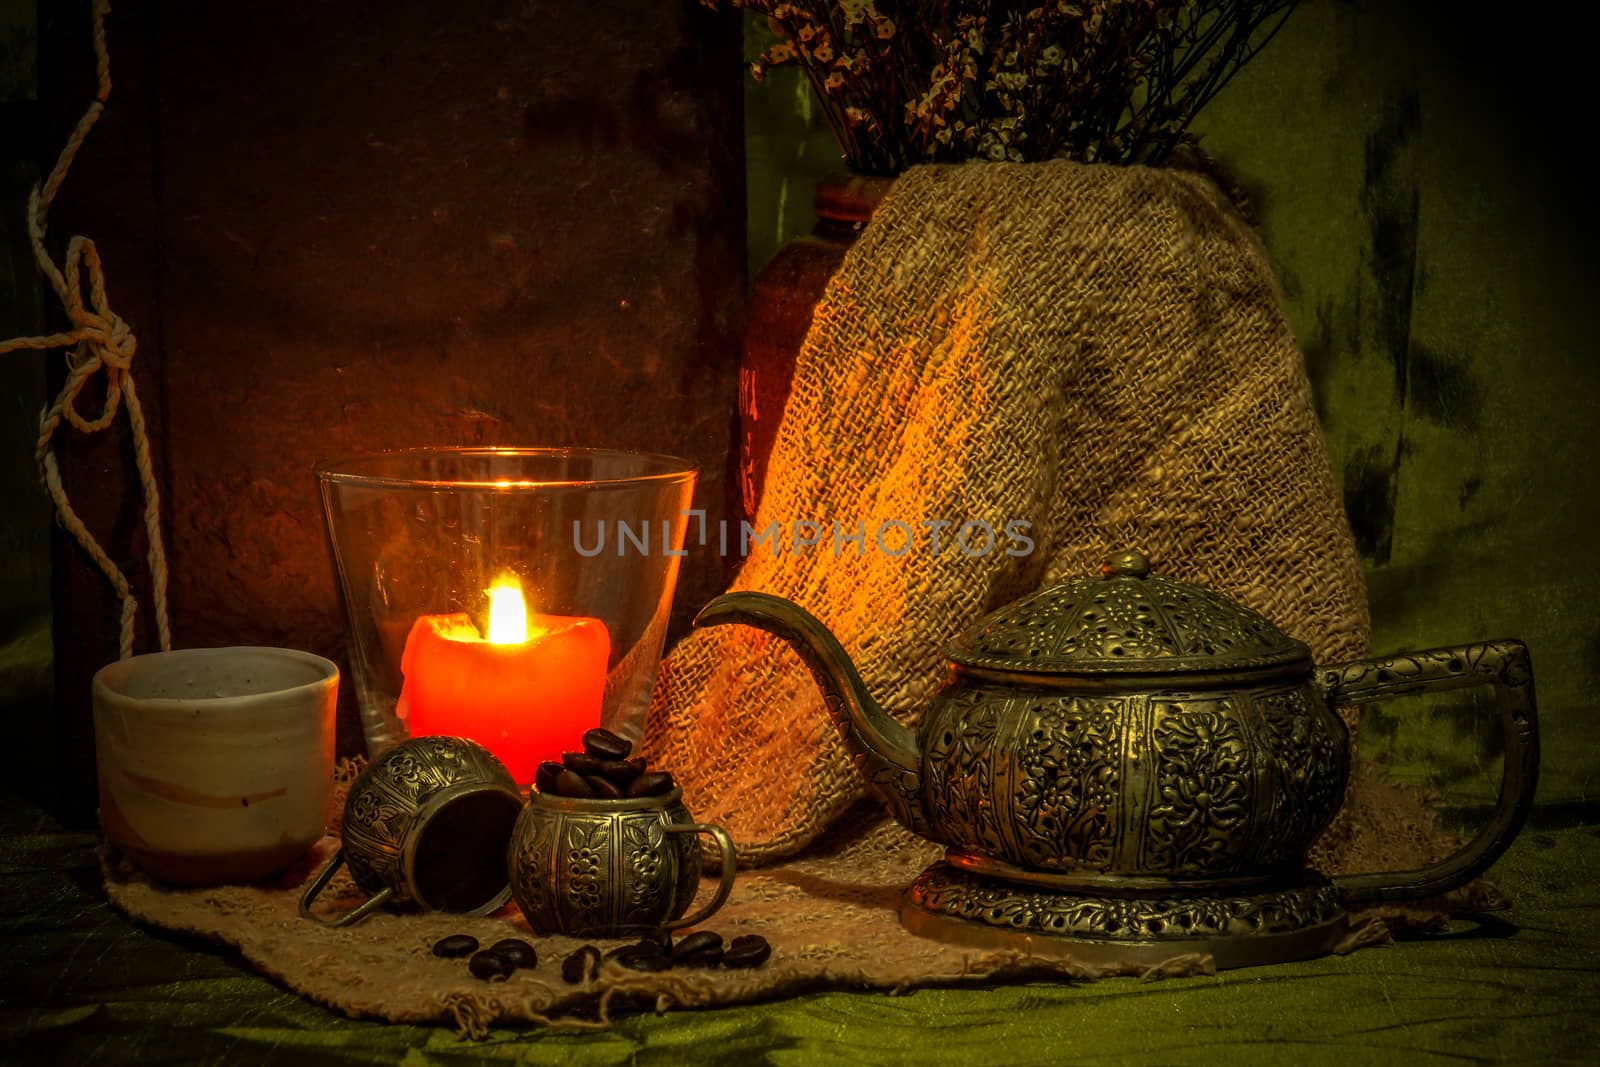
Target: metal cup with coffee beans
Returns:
[606, 848]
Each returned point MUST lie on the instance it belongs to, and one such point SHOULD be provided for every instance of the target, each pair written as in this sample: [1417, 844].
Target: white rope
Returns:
[99, 340]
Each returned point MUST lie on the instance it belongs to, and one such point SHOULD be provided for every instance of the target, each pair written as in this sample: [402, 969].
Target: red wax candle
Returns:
[526, 692]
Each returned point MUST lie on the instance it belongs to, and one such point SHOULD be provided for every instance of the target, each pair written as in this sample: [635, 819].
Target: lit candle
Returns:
[526, 690]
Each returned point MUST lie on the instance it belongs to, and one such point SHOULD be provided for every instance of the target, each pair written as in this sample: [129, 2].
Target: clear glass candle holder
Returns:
[517, 597]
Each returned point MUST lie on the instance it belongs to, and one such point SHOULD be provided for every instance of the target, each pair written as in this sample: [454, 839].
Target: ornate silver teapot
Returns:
[1136, 760]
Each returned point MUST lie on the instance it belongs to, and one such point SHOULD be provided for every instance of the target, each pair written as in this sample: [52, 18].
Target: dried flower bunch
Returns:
[923, 81]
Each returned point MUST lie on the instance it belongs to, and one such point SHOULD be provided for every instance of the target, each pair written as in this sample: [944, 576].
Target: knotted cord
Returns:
[99, 340]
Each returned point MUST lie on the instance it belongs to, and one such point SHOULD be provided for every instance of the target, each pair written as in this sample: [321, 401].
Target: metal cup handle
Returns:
[1503, 664]
[320, 882]
[724, 886]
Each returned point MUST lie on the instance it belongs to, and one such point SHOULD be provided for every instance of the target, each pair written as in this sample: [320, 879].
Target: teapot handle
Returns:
[1503, 664]
[724, 885]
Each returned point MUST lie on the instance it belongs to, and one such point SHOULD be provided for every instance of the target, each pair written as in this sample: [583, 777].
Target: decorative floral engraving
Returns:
[1067, 782]
[407, 772]
[643, 852]
[1309, 755]
[530, 871]
[942, 890]
[449, 754]
[586, 856]
[1124, 623]
[603, 873]
[384, 800]
[958, 786]
[1203, 788]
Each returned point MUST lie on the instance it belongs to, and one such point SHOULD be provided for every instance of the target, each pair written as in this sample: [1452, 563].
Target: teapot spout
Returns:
[884, 751]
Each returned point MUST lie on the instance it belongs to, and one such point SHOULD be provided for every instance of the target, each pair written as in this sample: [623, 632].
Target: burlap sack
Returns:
[1100, 352]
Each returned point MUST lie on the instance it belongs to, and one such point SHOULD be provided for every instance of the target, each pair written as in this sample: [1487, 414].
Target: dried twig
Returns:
[926, 81]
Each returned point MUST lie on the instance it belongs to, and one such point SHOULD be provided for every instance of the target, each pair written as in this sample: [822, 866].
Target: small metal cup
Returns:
[611, 868]
[426, 824]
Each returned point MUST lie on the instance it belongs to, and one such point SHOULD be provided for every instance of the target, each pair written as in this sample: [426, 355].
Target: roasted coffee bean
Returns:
[544, 779]
[705, 959]
[581, 762]
[602, 788]
[455, 946]
[700, 949]
[647, 944]
[603, 744]
[570, 784]
[519, 952]
[633, 946]
[622, 771]
[581, 965]
[750, 950]
[645, 956]
[697, 941]
[651, 784]
[490, 965]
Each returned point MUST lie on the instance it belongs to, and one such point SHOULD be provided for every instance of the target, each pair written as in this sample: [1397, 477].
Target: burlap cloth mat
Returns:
[1100, 352]
[832, 918]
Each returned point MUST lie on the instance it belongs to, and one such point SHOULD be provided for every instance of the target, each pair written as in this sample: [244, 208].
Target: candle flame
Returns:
[508, 613]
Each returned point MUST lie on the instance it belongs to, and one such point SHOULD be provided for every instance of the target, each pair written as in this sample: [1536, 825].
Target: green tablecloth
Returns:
[80, 984]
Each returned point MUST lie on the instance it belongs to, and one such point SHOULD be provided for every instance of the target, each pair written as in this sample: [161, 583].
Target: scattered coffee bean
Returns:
[455, 946]
[602, 788]
[700, 949]
[622, 771]
[644, 956]
[517, 951]
[581, 965]
[649, 943]
[706, 960]
[651, 784]
[544, 779]
[750, 950]
[696, 941]
[490, 965]
[603, 744]
[581, 762]
[572, 784]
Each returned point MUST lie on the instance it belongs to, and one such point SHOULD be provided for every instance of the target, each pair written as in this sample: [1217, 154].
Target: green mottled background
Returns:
[1416, 176]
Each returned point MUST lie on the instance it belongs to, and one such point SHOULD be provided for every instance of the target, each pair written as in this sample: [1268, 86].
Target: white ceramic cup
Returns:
[215, 764]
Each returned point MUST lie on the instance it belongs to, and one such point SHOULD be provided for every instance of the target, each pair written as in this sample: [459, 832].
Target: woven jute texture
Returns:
[831, 918]
[1098, 352]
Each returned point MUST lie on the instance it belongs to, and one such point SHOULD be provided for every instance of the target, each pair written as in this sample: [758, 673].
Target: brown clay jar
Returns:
[782, 298]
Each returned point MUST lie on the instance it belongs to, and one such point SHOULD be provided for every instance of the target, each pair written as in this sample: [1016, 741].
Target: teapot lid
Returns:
[1126, 621]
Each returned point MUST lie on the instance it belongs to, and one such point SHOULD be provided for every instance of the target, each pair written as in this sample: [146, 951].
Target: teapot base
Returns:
[1294, 919]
